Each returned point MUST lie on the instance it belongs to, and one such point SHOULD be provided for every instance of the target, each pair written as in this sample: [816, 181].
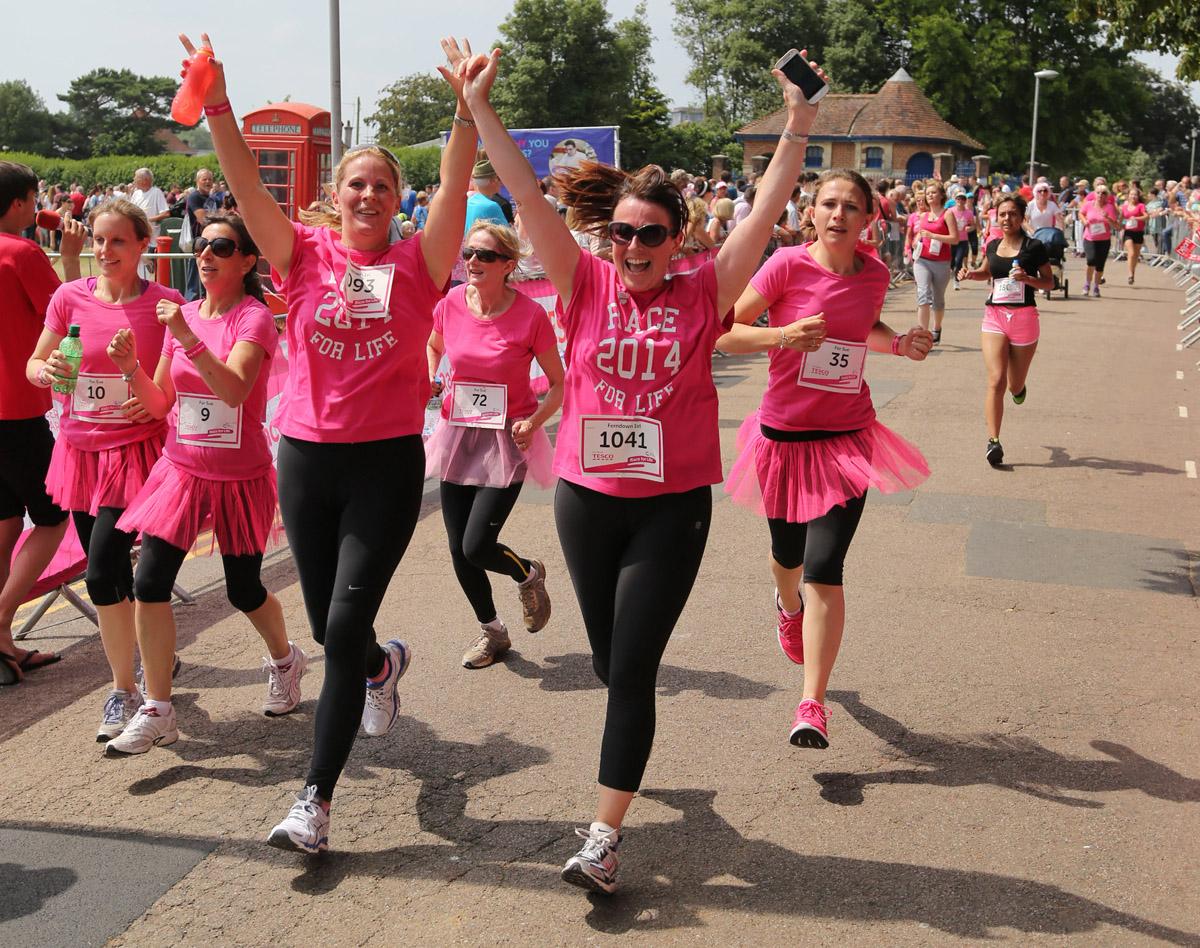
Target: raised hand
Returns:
[73, 234]
[456, 59]
[798, 106]
[216, 92]
[479, 74]
[170, 315]
[123, 351]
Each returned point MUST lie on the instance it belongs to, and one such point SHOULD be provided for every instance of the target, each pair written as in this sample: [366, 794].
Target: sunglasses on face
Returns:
[485, 256]
[221, 246]
[650, 235]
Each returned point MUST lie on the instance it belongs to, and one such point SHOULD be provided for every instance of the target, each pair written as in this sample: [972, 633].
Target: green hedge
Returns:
[116, 169]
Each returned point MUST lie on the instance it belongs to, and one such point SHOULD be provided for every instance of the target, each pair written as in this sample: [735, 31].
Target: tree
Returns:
[25, 122]
[1107, 149]
[415, 108]
[1165, 26]
[119, 111]
[860, 54]
[1139, 166]
[1162, 120]
[691, 145]
[646, 118]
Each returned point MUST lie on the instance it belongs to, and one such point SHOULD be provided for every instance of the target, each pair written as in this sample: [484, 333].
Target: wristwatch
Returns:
[129, 378]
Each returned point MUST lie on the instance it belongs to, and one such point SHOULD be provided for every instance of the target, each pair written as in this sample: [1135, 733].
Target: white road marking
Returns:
[1182, 411]
[1190, 467]
[1179, 375]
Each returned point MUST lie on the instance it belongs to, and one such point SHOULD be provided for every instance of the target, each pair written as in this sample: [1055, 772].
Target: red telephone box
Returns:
[290, 142]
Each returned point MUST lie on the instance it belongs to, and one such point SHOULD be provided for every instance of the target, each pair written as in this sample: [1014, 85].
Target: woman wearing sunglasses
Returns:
[108, 441]
[211, 379]
[351, 460]
[638, 446]
[490, 437]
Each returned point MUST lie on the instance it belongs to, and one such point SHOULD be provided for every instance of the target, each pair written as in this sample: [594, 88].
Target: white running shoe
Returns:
[283, 687]
[383, 700]
[306, 827]
[594, 867]
[119, 709]
[146, 729]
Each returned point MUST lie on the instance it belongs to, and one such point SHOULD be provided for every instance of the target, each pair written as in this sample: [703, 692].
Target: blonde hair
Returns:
[722, 209]
[504, 235]
[323, 213]
[126, 209]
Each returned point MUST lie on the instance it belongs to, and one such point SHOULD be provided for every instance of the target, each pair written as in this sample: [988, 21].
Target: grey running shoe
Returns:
[383, 701]
[535, 602]
[119, 709]
[493, 642]
[147, 729]
[306, 827]
[594, 867]
[283, 687]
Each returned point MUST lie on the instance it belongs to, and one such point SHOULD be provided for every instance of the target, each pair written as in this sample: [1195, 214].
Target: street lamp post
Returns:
[335, 81]
[1192, 161]
[1037, 82]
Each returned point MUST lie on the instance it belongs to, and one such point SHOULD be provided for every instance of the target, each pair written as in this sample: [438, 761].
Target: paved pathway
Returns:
[1014, 728]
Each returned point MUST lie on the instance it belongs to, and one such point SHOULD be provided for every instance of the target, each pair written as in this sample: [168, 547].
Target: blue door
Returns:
[919, 165]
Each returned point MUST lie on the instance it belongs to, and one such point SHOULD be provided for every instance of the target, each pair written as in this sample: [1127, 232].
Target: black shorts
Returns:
[1137, 236]
[25, 449]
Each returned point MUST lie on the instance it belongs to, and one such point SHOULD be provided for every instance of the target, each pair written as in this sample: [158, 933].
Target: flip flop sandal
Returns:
[10, 670]
[35, 660]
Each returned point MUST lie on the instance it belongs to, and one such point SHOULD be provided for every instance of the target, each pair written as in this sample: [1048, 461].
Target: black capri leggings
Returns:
[820, 545]
[474, 517]
[159, 563]
[973, 241]
[958, 256]
[109, 576]
[633, 563]
[1096, 252]
[349, 511]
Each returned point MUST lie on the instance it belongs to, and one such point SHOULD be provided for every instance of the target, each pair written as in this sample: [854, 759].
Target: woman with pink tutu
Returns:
[490, 437]
[107, 441]
[809, 453]
[211, 383]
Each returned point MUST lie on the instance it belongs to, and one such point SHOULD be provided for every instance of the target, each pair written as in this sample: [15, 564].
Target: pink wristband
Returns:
[196, 350]
[219, 109]
[896, 339]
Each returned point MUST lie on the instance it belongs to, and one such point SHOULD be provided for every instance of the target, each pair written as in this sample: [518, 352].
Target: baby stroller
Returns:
[1056, 248]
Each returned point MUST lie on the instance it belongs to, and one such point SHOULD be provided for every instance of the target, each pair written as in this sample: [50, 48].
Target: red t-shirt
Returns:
[1026, 192]
[27, 281]
[78, 199]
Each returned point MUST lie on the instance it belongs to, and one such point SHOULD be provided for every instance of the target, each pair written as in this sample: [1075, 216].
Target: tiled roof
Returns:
[898, 110]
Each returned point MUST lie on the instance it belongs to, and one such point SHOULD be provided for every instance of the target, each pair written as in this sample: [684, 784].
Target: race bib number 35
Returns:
[366, 291]
[616, 446]
[836, 367]
[98, 399]
[207, 422]
[479, 405]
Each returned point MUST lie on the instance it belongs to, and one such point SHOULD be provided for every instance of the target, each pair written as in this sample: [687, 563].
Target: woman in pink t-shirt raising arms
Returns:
[814, 446]
[351, 461]
[107, 441]
[211, 379]
[1133, 218]
[638, 446]
[490, 437]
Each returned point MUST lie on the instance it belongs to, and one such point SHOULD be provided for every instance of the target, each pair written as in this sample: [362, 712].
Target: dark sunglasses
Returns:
[650, 235]
[485, 256]
[221, 246]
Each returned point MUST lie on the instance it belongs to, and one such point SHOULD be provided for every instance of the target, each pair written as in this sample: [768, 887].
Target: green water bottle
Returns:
[72, 350]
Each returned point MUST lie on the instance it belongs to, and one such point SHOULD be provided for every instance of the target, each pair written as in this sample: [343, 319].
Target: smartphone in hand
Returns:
[801, 74]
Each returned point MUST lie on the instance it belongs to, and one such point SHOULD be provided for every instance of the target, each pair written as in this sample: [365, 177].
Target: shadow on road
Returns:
[574, 673]
[1059, 457]
[1008, 761]
[27, 890]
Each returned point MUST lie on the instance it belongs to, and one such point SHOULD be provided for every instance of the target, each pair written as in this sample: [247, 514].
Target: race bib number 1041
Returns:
[619, 446]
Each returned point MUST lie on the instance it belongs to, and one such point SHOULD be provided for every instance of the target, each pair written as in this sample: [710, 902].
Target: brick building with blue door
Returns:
[893, 133]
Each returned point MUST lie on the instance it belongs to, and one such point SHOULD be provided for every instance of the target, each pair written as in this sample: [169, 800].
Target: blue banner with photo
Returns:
[557, 149]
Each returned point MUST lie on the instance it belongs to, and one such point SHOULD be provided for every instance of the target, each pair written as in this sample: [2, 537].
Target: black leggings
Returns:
[474, 518]
[349, 511]
[820, 545]
[159, 563]
[1096, 252]
[109, 576]
[633, 563]
[958, 256]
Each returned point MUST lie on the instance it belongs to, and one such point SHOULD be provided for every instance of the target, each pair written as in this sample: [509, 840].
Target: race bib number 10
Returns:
[98, 399]
[836, 367]
[366, 291]
[617, 446]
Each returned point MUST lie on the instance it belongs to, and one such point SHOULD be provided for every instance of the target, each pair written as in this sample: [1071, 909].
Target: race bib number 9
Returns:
[98, 399]
[479, 405]
[836, 367]
[617, 446]
[1008, 290]
[366, 291]
[207, 422]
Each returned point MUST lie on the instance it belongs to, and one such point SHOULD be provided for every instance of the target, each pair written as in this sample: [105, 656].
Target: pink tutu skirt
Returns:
[176, 506]
[112, 477]
[799, 481]
[487, 457]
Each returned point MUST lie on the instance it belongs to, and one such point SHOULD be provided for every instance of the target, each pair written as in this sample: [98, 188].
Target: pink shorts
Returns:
[1018, 323]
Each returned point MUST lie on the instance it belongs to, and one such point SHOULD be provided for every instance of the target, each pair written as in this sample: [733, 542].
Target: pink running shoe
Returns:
[808, 730]
[791, 632]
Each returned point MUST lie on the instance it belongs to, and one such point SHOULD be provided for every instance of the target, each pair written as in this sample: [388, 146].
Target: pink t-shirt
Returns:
[91, 418]
[206, 437]
[966, 220]
[497, 351]
[993, 225]
[1129, 211]
[645, 358]
[357, 327]
[938, 226]
[1098, 221]
[802, 394]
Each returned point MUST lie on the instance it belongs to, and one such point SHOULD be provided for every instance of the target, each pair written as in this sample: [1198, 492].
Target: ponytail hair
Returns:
[251, 283]
[594, 190]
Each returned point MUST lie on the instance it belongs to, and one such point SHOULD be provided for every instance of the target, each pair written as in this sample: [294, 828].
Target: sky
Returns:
[276, 48]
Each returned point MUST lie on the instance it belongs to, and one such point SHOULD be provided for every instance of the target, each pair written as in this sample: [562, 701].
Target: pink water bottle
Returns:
[189, 100]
